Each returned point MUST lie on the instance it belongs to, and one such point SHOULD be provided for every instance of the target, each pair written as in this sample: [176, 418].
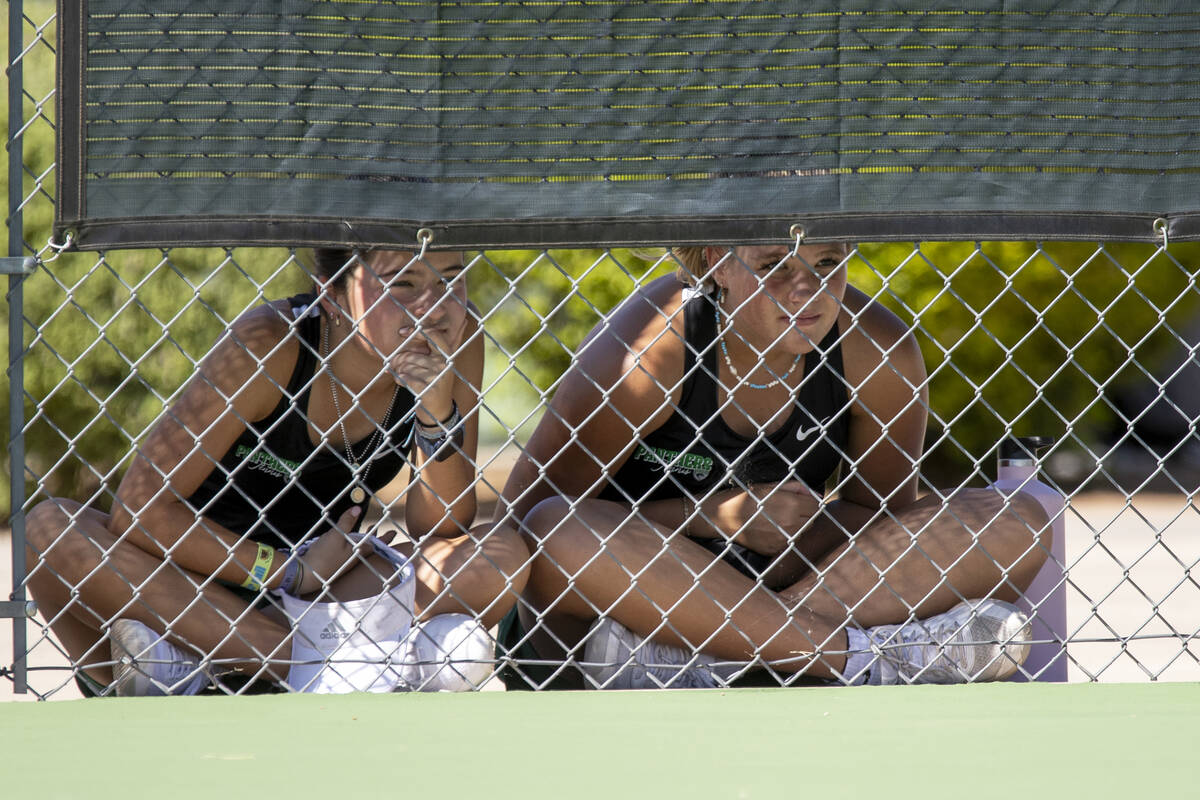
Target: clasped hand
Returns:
[765, 517]
[422, 365]
[331, 555]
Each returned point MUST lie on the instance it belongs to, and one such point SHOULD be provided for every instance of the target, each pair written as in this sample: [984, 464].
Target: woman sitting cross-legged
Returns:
[232, 545]
[674, 496]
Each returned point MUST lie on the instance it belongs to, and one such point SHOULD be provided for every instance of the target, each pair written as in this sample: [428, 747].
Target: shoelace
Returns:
[178, 670]
[911, 651]
[166, 666]
[932, 653]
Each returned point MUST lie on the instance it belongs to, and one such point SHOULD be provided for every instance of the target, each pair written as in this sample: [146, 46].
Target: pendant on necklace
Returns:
[357, 494]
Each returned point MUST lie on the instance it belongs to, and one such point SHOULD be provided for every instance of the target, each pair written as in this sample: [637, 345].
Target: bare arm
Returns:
[623, 384]
[440, 498]
[889, 411]
[239, 381]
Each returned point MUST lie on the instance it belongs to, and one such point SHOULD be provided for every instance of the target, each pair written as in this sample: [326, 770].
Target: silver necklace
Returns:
[359, 492]
[733, 371]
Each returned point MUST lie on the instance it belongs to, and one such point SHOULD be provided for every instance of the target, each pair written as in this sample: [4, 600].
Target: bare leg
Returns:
[480, 574]
[925, 559]
[114, 579]
[594, 560]
[921, 563]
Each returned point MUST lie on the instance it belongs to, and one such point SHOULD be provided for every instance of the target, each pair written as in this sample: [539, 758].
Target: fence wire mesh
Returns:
[1092, 344]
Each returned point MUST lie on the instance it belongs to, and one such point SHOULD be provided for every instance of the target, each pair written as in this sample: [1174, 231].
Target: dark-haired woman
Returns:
[251, 489]
[675, 494]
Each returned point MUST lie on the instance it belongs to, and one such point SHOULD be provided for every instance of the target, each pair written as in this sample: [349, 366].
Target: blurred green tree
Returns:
[1027, 339]
[112, 338]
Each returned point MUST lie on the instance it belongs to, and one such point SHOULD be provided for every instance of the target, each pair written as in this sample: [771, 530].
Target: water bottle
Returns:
[1045, 601]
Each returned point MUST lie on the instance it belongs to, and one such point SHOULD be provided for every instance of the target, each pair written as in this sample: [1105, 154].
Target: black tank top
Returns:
[274, 483]
[695, 452]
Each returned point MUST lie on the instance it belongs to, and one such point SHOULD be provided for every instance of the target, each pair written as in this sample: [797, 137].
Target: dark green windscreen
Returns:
[538, 123]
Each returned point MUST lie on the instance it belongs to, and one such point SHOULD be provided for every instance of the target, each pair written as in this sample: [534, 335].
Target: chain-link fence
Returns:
[110, 348]
[1094, 345]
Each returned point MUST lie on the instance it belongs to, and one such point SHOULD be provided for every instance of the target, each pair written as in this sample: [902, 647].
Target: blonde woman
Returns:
[674, 494]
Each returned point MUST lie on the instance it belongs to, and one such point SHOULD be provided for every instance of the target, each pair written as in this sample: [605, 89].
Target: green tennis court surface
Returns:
[985, 741]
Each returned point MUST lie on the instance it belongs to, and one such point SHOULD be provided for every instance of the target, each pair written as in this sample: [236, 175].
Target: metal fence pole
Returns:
[17, 267]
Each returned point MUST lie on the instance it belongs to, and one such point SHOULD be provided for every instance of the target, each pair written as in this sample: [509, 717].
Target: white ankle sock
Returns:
[859, 658]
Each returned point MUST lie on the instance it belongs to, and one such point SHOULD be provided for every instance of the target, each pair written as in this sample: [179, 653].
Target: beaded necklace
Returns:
[733, 371]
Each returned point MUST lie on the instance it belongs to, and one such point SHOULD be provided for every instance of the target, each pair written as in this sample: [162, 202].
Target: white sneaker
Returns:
[147, 665]
[977, 640]
[446, 653]
[617, 658]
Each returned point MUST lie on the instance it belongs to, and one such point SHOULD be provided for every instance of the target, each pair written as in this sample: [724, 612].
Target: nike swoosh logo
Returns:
[402, 449]
[804, 433]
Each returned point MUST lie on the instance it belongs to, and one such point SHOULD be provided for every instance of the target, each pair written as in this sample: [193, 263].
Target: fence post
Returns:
[17, 607]
[16, 267]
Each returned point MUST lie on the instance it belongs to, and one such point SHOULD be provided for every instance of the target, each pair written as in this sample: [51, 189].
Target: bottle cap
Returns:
[1018, 448]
